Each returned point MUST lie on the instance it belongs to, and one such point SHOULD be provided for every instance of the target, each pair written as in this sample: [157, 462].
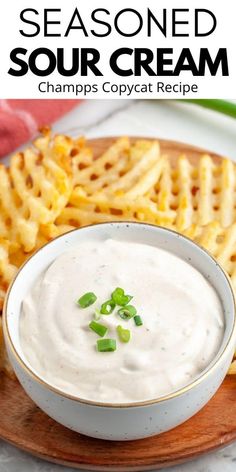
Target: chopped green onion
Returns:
[87, 299]
[138, 320]
[106, 345]
[127, 312]
[97, 314]
[119, 297]
[107, 307]
[98, 328]
[124, 334]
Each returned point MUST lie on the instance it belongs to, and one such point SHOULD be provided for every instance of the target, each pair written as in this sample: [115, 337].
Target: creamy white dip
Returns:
[182, 322]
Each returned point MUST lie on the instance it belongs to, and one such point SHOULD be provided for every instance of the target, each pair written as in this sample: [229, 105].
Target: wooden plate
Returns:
[27, 427]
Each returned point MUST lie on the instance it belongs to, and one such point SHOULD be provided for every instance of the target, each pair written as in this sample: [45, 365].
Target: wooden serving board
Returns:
[24, 425]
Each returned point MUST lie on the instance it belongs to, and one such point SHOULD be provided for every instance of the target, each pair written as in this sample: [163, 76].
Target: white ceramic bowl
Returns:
[120, 421]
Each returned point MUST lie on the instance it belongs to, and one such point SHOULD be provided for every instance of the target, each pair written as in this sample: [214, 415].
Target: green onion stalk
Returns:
[221, 106]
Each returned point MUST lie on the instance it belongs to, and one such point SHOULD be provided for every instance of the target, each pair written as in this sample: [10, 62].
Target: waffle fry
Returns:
[7, 269]
[191, 193]
[138, 209]
[201, 193]
[129, 183]
[33, 191]
[232, 369]
[60, 184]
[4, 363]
[220, 242]
[95, 174]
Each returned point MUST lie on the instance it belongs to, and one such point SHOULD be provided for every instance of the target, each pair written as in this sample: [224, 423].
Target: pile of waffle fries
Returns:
[60, 184]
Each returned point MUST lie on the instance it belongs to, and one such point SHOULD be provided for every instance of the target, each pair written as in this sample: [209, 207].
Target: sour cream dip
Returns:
[183, 322]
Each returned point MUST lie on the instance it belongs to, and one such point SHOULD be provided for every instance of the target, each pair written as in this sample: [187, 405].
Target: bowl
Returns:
[126, 421]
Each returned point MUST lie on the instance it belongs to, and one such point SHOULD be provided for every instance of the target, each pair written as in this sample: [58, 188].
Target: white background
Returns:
[27, 86]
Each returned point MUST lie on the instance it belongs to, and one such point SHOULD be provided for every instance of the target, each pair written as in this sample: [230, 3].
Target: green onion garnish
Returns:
[106, 345]
[87, 299]
[119, 297]
[138, 320]
[127, 312]
[107, 307]
[124, 334]
[98, 328]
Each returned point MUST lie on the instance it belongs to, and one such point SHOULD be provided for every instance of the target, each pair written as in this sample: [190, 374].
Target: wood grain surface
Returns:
[23, 424]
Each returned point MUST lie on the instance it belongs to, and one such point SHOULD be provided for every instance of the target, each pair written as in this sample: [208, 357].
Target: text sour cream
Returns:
[182, 330]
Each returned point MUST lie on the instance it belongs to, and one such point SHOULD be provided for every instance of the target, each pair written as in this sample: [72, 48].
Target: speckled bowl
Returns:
[132, 420]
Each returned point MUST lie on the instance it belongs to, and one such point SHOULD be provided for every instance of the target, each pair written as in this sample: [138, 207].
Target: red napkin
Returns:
[20, 119]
